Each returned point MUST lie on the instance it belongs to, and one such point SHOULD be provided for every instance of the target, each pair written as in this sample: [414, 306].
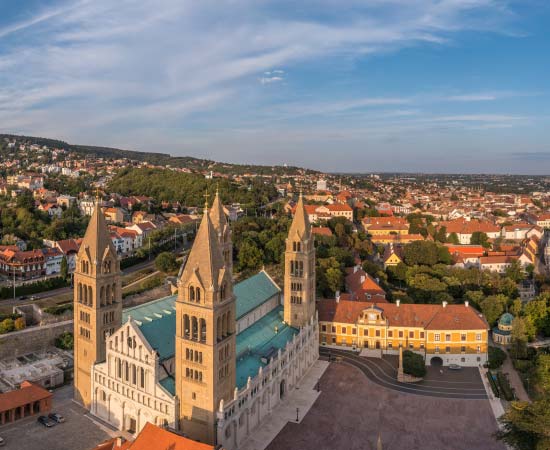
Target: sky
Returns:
[451, 86]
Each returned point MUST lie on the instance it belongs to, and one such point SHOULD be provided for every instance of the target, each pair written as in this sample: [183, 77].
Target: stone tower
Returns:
[221, 226]
[299, 287]
[205, 336]
[97, 301]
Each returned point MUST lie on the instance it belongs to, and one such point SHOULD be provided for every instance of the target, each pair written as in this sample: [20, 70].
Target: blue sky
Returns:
[336, 85]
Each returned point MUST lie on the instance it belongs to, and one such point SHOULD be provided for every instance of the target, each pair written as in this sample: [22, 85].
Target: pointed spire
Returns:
[379, 442]
[205, 256]
[217, 215]
[300, 223]
[97, 237]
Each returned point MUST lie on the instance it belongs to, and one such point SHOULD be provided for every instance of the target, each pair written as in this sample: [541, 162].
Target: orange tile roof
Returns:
[152, 437]
[321, 231]
[28, 393]
[434, 317]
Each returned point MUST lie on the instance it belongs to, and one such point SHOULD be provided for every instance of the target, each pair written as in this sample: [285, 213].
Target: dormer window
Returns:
[297, 246]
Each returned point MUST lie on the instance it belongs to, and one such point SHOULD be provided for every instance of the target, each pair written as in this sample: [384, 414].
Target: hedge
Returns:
[493, 384]
[496, 357]
[505, 387]
[33, 288]
[59, 309]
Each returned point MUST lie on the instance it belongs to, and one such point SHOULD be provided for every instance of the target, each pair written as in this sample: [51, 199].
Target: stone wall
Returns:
[32, 339]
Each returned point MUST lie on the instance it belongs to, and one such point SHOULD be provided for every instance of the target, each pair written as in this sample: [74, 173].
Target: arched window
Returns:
[194, 329]
[191, 294]
[222, 292]
[202, 330]
[90, 296]
[219, 329]
[142, 378]
[102, 296]
[134, 374]
[186, 327]
[198, 295]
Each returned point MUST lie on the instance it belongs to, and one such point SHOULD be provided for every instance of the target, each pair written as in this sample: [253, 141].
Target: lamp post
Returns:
[297, 413]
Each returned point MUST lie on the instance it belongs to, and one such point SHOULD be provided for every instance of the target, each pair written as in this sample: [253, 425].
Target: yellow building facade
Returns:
[443, 334]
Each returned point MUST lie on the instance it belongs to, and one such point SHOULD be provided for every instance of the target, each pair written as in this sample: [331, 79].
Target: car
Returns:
[56, 417]
[46, 421]
[33, 297]
[23, 297]
[455, 367]
[2, 442]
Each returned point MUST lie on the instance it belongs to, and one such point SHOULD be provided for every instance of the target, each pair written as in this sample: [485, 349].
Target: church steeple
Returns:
[223, 231]
[205, 361]
[300, 224]
[97, 301]
[299, 296]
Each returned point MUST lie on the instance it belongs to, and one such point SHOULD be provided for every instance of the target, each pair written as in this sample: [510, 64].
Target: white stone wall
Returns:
[238, 418]
[122, 399]
[256, 314]
[461, 359]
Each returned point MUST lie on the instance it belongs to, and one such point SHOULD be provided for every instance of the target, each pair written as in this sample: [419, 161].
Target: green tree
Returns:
[453, 239]
[64, 268]
[166, 262]
[421, 253]
[250, 257]
[526, 426]
[441, 234]
[65, 341]
[514, 271]
[413, 364]
[493, 307]
[480, 238]
[519, 338]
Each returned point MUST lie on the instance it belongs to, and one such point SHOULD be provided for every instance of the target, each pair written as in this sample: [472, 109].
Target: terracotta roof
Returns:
[497, 259]
[434, 317]
[28, 393]
[322, 231]
[337, 207]
[152, 437]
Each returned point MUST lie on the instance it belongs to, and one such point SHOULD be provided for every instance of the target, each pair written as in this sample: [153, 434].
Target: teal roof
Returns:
[261, 340]
[506, 319]
[169, 384]
[253, 292]
[157, 323]
[496, 330]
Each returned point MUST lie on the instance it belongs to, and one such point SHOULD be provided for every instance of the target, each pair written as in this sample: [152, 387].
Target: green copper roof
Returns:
[506, 319]
[261, 340]
[169, 384]
[254, 291]
[157, 322]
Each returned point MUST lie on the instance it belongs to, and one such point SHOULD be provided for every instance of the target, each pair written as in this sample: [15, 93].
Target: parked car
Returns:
[56, 417]
[33, 297]
[455, 367]
[2, 442]
[46, 421]
[23, 297]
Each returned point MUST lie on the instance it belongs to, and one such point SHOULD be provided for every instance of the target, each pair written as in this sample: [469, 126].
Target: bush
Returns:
[65, 341]
[33, 288]
[493, 384]
[7, 325]
[20, 323]
[413, 364]
[496, 357]
[59, 309]
[505, 387]
[166, 262]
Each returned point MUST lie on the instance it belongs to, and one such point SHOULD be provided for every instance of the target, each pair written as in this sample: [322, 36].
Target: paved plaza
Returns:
[352, 411]
[79, 432]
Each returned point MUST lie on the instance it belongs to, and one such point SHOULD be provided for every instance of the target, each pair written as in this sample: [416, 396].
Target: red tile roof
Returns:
[28, 393]
[434, 317]
[152, 437]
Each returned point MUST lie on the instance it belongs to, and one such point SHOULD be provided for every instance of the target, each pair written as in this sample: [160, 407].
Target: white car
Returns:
[2, 442]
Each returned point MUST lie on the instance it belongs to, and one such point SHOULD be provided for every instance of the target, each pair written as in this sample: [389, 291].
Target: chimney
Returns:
[398, 302]
[337, 296]
[355, 268]
[362, 279]
[466, 303]
[444, 304]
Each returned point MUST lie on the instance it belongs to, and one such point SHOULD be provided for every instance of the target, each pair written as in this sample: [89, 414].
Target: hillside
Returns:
[161, 159]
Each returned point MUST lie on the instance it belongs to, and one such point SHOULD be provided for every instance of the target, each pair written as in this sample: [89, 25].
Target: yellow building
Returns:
[443, 334]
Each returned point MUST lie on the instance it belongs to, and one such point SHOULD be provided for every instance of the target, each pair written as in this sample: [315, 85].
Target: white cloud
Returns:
[88, 67]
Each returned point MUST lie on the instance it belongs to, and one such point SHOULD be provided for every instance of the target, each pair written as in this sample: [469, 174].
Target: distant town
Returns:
[434, 287]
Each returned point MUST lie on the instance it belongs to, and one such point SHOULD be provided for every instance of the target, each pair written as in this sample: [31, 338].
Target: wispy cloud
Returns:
[89, 68]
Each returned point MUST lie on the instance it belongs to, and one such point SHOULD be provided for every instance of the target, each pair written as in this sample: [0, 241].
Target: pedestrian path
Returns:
[514, 379]
[302, 399]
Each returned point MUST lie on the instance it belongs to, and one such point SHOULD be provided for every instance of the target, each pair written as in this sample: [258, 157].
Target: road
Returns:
[463, 384]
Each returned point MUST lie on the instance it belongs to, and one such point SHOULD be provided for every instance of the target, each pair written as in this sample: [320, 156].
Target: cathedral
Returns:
[210, 362]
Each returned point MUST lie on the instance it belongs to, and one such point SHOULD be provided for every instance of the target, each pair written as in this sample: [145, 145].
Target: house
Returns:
[30, 399]
[53, 209]
[393, 255]
[517, 230]
[66, 200]
[496, 263]
[361, 286]
[464, 229]
[542, 220]
[114, 214]
[396, 238]
[69, 248]
[53, 258]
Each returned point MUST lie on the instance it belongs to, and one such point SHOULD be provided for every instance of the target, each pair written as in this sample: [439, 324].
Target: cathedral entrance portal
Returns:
[131, 425]
[282, 389]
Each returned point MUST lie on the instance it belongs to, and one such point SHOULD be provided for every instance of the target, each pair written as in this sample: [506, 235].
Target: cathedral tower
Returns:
[219, 221]
[299, 287]
[205, 335]
[97, 301]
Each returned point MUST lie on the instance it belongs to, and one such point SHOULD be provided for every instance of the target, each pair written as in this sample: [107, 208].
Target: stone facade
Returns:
[252, 404]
